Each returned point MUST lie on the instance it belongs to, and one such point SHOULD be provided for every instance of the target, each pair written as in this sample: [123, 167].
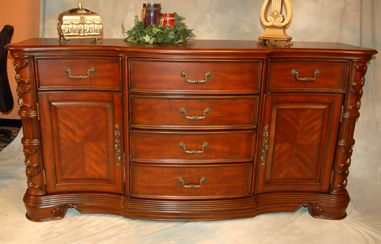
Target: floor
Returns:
[13, 133]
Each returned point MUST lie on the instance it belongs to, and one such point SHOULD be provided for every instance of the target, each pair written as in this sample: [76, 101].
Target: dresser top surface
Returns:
[193, 46]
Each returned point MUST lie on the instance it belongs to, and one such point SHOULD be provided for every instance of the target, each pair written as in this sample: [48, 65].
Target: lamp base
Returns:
[275, 37]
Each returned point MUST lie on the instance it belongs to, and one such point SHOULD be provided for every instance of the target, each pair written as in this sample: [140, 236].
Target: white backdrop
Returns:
[356, 22]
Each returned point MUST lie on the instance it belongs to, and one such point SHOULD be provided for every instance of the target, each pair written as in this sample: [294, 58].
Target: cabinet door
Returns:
[296, 152]
[81, 136]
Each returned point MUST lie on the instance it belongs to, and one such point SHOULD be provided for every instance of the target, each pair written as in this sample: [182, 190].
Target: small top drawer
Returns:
[201, 77]
[307, 75]
[83, 73]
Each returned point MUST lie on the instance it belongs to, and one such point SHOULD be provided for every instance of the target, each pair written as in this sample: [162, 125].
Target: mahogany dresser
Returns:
[206, 131]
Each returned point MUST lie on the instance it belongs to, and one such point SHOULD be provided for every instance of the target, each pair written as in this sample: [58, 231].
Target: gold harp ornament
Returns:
[276, 16]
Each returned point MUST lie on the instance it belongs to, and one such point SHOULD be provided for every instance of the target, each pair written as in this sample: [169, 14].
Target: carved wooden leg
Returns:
[47, 214]
[323, 211]
[44, 208]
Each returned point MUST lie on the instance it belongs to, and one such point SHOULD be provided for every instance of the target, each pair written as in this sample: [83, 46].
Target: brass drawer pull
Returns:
[117, 145]
[181, 180]
[265, 145]
[185, 74]
[295, 74]
[199, 151]
[79, 77]
[203, 116]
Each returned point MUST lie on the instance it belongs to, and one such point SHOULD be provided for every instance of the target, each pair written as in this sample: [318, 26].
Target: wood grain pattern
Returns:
[106, 74]
[170, 112]
[332, 75]
[303, 131]
[270, 141]
[162, 182]
[79, 141]
[227, 76]
[160, 146]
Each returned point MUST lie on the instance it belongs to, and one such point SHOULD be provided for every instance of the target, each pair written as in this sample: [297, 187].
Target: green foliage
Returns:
[159, 34]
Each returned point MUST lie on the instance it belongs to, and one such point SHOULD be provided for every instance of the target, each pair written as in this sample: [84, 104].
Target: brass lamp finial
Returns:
[79, 5]
[276, 16]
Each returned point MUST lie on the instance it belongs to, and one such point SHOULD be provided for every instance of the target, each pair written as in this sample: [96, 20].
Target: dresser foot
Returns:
[322, 211]
[47, 214]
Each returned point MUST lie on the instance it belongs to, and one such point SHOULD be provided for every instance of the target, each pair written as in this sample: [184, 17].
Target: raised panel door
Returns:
[81, 137]
[298, 142]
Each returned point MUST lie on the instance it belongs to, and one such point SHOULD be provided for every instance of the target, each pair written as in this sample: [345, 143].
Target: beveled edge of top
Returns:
[193, 46]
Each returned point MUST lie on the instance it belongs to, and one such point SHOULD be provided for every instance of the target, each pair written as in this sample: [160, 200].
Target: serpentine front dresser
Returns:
[205, 131]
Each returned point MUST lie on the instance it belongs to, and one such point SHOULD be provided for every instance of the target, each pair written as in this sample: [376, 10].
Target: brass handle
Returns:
[198, 151]
[181, 180]
[265, 145]
[203, 116]
[185, 74]
[79, 77]
[117, 145]
[295, 74]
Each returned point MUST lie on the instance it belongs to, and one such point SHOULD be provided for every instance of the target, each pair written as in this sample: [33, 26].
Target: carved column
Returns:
[27, 99]
[350, 115]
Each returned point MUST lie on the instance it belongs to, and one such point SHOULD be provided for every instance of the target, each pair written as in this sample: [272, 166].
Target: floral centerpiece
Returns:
[158, 34]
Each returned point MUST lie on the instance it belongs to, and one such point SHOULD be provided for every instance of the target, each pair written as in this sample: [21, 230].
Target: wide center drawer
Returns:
[82, 73]
[178, 112]
[307, 75]
[202, 77]
[191, 182]
[194, 147]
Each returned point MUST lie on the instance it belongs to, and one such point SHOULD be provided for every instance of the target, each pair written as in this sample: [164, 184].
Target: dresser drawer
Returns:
[307, 75]
[236, 77]
[193, 112]
[191, 182]
[79, 73]
[202, 147]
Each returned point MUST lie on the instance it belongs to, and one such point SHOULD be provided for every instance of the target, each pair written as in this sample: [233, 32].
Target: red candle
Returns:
[167, 19]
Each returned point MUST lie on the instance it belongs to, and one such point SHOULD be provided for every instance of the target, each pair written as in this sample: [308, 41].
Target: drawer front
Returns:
[202, 77]
[191, 182]
[175, 147]
[194, 112]
[304, 75]
[79, 73]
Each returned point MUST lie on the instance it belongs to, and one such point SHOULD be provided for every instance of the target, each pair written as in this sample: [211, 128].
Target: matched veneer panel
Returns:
[78, 137]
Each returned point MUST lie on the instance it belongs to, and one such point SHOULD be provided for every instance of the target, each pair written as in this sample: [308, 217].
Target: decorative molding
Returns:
[314, 209]
[60, 211]
[29, 115]
[351, 114]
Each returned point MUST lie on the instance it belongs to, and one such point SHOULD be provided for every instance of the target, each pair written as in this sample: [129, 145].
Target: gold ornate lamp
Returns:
[276, 17]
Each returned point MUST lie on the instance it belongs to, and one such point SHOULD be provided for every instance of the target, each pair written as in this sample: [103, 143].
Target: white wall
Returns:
[24, 16]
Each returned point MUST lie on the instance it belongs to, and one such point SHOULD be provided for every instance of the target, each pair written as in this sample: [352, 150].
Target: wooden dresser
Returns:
[207, 131]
